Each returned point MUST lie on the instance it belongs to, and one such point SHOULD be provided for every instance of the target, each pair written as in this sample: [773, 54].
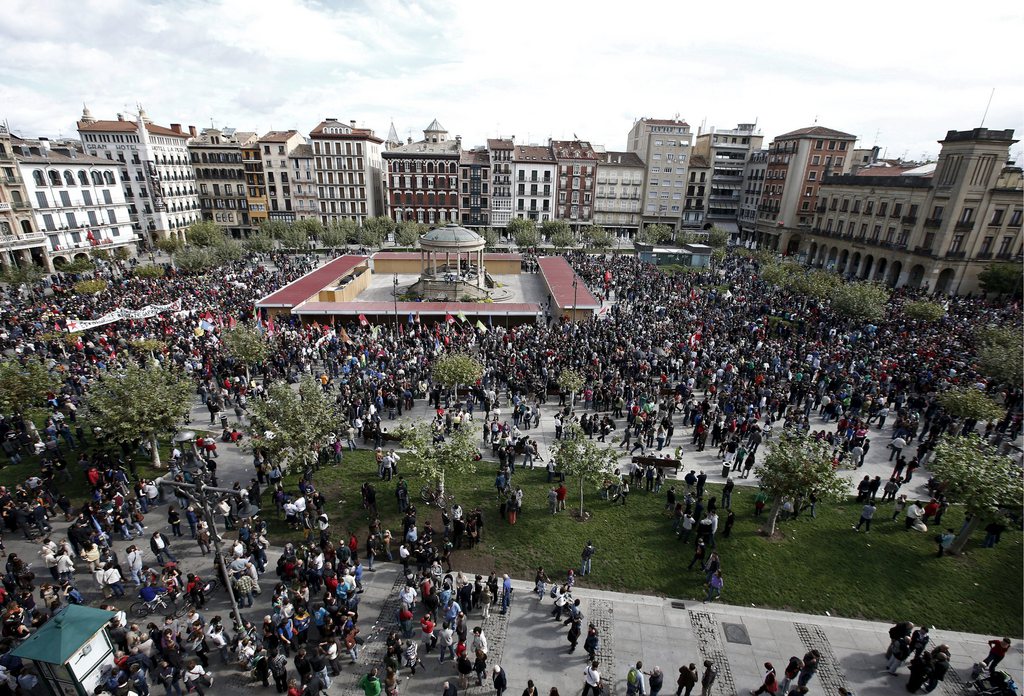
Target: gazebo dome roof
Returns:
[451, 236]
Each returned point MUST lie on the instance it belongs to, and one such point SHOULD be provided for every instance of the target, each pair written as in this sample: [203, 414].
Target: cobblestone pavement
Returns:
[830, 671]
[709, 643]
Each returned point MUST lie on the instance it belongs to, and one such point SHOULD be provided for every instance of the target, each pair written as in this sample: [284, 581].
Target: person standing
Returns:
[635, 685]
[809, 669]
[687, 679]
[499, 679]
[707, 679]
[769, 684]
[997, 650]
[867, 513]
[586, 556]
[715, 585]
[592, 680]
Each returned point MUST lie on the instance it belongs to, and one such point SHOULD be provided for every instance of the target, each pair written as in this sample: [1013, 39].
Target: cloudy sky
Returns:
[897, 74]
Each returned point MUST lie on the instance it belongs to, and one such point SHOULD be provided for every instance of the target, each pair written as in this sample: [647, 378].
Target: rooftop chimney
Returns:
[192, 131]
[352, 123]
[120, 117]
[176, 127]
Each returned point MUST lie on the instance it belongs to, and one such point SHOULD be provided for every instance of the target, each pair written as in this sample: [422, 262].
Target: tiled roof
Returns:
[500, 144]
[699, 161]
[452, 148]
[435, 126]
[475, 157]
[352, 134]
[573, 149]
[533, 153]
[426, 310]
[816, 131]
[665, 122]
[558, 276]
[312, 283]
[883, 171]
[54, 157]
[302, 151]
[128, 127]
[278, 136]
[621, 159]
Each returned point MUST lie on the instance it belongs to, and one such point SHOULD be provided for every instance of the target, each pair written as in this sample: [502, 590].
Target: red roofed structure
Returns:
[566, 300]
[309, 286]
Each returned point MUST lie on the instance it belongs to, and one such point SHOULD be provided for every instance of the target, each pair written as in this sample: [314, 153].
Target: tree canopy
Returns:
[597, 237]
[435, 459]
[970, 403]
[139, 403]
[291, 426]
[245, 344]
[924, 310]
[582, 459]
[550, 228]
[455, 369]
[205, 234]
[24, 384]
[1002, 279]
[860, 301]
[408, 233]
[654, 234]
[999, 353]
[797, 466]
[523, 231]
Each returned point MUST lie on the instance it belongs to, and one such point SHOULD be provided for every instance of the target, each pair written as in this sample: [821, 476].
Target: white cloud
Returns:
[533, 69]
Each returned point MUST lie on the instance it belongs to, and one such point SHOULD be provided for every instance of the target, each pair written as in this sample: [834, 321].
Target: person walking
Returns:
[635, 685]
[769, 684]
[867, 513]
[997, 650]
[707, 679]
[715, 585]
[592, 680]
[688, 678]
[499, 680]
[809, 669]
[586, 556]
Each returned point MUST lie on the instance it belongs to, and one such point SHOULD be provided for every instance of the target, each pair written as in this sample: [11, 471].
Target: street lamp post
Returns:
[395, 294]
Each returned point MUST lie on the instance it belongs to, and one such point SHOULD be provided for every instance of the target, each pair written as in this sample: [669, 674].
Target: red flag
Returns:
[56, 326]
[449, 318]
[693, 294]
[362, 320]
[695, 339]
[607, 276]
[270, 325]
[231, 322]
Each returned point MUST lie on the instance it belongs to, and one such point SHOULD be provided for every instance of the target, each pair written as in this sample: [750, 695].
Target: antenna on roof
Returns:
[878, 132]
[815, 119]
[985, 115]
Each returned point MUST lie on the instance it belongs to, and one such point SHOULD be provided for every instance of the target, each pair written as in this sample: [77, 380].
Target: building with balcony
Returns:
[618, 199]
[798, 161]
[78, 204]
[155, 171]
[933, 226]
[275, 147]
[423, 178]
[303, 183]
[664, 146]
[726, 152]
[255, 184]
[475, 188]
[753, 185]
[698, 176]
[533, 175]
[501, 152]
[216, 156]
[348, 170]
[576, 183]
[21, 243]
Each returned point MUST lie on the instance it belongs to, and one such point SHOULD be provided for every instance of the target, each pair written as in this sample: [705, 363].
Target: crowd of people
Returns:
[671, 352]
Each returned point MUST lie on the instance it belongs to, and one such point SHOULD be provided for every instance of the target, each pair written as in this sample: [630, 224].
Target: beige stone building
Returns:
[303, 186]
[349, 171]
[620, 182]
[664, 147]
[216, 156]
[21, 243]
[933, 227]
[726, 151]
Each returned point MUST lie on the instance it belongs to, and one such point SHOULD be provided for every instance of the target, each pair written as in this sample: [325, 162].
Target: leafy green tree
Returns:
[795, 467]
[860, 301]
[570, 381]
[778, 274]
[408, 233]
[524, 232]
[582, 459]
[25, 384]
[205, 234]
[294, 238]
[435, 461]
[349, 229]
[79, 266]
[970, 404]
[246, 345]
[291, 426]
[90, 287]
[550, 228]
[924, 310]
[563, 239]
[455, 369]
[195, 259]
[378, 228]
[170, 245]
[231, 250]
[1002, 279]
[653, 235]
[682, 237]
[597, 237]
[260, 243]
[311, 227]
[140, 403]
[491, 239]
[275, 229]
[122, 254]
[999, 352]
[99, 254]
[18, 275]
[149, 271]
[333, 238]
[370, 236]
[718, 238]
[978, 478]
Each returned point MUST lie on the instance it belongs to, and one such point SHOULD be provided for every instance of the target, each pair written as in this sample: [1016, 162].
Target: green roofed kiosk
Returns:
[70, 649]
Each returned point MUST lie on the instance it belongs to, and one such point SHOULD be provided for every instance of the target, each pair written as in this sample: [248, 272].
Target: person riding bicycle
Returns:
[194, 590]
[149, 593]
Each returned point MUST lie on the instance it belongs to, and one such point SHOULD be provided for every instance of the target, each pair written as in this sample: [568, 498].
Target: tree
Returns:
[408, 233]
[718, 238]
[550, 228]
[99, 254]
[148, 272]
[970, 404]
[333, 238]
[205, 234]
[797, 466]
[581, 458]
[523, 231]
[90, 287]
[860, 301]
[924, 310]
[371, 236]
[310, 227]
[194, 259]
[291, 426]
[346, 229]
[999, 352]
[1002, 279]
[563, 238]
[978, 478]
[170, 245]
[379, 227]
[491, 239]
[79, 266]
[597, 237]
[25, 384]
[454, 369]
[18, 275]
[274, 228]
[231, 250]
[654, 234]
[434, 460]
[571, 382]
[259, 243]
[246, 345]
[121, 253]
[140, 402]
[294, 238]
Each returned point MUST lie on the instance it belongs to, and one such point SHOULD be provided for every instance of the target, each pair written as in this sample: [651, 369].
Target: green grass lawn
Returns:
[819, 565]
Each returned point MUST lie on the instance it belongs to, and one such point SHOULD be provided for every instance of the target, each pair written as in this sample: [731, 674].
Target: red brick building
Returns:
[577, 179]
[423, 178]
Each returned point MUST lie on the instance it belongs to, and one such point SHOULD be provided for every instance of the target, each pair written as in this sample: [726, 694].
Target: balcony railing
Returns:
[933, 222]
[924, 251]
[985, 255]
[955, 254]
[909, 219]
[964, 226]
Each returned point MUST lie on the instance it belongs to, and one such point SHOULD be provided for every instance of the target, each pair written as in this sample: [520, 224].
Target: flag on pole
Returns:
[490, 321]
[410, 318]
[344, 335]
[480, 325]
[449, 318]
[417, 317]
[362, 320]
[695, 339]
[374, 330]
[270, 325]
[205, 325]
[462, 316]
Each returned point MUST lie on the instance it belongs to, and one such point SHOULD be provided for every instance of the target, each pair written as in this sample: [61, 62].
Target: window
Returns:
[937, 213]
[815, 160]
[1015, 218]
[819, 144]
[83, 180]
[812, 176]
[54, 178]
[958, 243]
[37, 176]
[65, 199]
[986, 245]
[1004, 246]
[87, 197]
[997, 216]
[883, 206]
[966, 216]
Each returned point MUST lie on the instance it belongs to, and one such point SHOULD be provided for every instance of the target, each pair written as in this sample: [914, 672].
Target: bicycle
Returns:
[161, 604]
[209, 586]
[436, 497]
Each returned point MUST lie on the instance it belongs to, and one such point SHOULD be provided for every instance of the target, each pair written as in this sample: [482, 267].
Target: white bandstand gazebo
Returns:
[451, 264]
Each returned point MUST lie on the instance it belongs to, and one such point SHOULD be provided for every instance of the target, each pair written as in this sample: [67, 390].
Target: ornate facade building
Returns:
[423, 178]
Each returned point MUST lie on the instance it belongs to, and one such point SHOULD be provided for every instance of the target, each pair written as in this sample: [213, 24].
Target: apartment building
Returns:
[933, 227]
[348, 168]
[475, 188]
[501, 152]
[726, 151]
[664, 146]
[77, 200]
[753, 186]
[275, 147]
[216, 156]
[618, 201]
[255, 184]
[21, 243]
[576, 183]
[303, 183]
[155, 171]
[534, 169]
[698, 174]
[423, 178]
[797, 163]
